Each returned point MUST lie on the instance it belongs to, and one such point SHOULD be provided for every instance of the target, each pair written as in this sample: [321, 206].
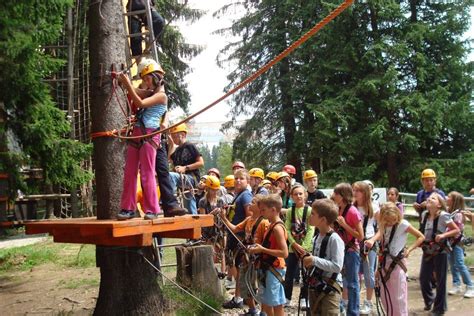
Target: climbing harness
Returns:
[315, 29]
[298, 229]
[432, 248]
[339, 229]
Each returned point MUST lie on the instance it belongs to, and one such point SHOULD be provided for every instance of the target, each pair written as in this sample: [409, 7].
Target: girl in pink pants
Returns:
[391, 278]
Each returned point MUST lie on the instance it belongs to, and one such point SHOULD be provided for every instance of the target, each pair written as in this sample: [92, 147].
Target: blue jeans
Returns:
[351, 281]
[135, 26]
[189, 201]
[368, 268]
[458, 267]
[168, 200]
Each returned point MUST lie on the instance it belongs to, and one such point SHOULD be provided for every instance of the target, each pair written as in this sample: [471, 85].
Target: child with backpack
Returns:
[326, 260]
[456, 206]
[435, 222]
[349, 227]
[272, 253]
[299, 240]
[391, 276]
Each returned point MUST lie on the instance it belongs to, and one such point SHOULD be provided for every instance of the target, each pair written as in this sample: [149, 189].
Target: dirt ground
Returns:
[49, 290]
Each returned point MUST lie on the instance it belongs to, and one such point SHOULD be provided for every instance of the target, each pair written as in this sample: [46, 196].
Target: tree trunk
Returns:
[128, 283]
[393, 170]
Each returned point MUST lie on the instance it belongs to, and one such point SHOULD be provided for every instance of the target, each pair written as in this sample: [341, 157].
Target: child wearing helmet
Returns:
[284, 184]
[141, 154]
[428, 180]
[229, 185]
[310, 178]
[256, 177]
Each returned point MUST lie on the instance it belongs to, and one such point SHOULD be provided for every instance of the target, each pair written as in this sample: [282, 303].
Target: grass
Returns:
[78, 283]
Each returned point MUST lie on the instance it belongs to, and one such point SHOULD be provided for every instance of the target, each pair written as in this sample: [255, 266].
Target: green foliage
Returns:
[186, 305]
[381, 92]
[41, 128]
[219, 157]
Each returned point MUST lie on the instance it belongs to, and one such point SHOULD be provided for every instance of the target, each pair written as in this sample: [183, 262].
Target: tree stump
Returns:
[195, 269]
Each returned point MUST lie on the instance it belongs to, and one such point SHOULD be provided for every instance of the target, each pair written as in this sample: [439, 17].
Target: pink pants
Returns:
[142, 158]
[397, 288]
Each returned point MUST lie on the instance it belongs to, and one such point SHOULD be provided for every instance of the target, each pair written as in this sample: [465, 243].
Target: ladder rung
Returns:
[138, 34]
[138, 12]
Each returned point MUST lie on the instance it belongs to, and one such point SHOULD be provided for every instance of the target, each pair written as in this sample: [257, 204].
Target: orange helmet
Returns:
[213, 183]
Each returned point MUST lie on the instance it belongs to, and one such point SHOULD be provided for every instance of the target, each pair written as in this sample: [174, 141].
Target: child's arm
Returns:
[369, 243]
[231, 226]
[358, 232]
[453, 231]
[419, 239]
[334, 261]
[281, 251]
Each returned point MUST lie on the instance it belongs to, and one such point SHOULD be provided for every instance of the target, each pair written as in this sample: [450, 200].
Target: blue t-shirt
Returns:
[243, 199]
[423, 195]
[151, 116]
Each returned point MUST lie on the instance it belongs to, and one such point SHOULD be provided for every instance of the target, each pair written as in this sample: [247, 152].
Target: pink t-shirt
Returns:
[352, 218]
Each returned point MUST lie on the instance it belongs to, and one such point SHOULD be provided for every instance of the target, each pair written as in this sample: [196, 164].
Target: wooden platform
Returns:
[131, 233]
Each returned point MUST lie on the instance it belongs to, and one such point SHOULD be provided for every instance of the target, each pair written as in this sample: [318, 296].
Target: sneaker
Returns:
[234, 303]
[366, 308]
[125, 214]
[150, 215]
[303, 305]
[229, 284]
[469, 292]
[427, 307]
[254, 312]
[457, 289]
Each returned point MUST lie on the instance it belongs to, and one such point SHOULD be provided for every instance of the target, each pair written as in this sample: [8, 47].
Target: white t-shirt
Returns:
[399, 239]
[370, 229]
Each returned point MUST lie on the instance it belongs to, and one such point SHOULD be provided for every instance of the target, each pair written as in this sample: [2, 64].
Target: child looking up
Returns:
[273, 252]
[327, 258]
[434, 225]
[392, 234]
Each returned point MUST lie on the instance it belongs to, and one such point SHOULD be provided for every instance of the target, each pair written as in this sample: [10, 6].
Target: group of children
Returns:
[280, 230]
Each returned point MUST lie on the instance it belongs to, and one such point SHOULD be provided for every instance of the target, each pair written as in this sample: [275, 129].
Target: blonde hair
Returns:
[272, 200]
[242, 173]
[367, 205]
[441, 201]
[457, 201]
[391, 210]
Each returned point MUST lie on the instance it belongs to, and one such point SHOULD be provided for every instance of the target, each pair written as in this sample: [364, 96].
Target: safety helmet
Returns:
[428, 173]
[204, 178]
[265, 182]
[213, 183]
[308, 174]
[290, 169]
[257, 173]
[238, 164]
[216, 171]
[282, 175]
[180, 128]
[147, 66]
[229, 181]
[272, 175]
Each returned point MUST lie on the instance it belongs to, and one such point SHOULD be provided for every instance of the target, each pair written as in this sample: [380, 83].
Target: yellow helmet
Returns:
[265, 182]
[272, 175]
[148, 66]
[283, 174]
[428, 173]
[180, 128]
[308, 174]
[213, 183]
[229, 181]
[257, 173]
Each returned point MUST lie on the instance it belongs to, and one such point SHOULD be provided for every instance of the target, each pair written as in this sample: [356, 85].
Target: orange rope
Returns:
[259, 72]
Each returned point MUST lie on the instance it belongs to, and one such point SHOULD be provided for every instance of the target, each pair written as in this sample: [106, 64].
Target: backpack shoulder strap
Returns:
[255, 226]
[305, 213]
[293, 215]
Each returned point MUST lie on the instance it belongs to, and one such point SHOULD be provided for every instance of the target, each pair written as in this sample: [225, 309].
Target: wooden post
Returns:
[196, 270]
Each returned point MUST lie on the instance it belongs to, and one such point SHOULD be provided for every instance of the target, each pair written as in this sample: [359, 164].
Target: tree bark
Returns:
[128, 283]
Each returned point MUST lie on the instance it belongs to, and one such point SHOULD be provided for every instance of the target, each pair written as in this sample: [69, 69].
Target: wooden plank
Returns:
[128, 241]
[192, 233]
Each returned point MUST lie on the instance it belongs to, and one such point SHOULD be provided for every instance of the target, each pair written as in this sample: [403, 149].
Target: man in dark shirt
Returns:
[186, 161]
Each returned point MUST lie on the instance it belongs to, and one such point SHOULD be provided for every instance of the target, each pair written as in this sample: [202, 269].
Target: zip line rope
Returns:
[315, 29]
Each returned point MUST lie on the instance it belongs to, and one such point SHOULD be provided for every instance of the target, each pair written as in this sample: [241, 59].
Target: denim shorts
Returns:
[273, 293]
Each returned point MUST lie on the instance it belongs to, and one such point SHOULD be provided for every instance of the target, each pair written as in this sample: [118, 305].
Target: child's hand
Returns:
[417, 206]
[341, 221]
[369, 243]
[255, 249]
[308, 261]
[298, 249]
[438, 238]
[123, 79]
[407, 252]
